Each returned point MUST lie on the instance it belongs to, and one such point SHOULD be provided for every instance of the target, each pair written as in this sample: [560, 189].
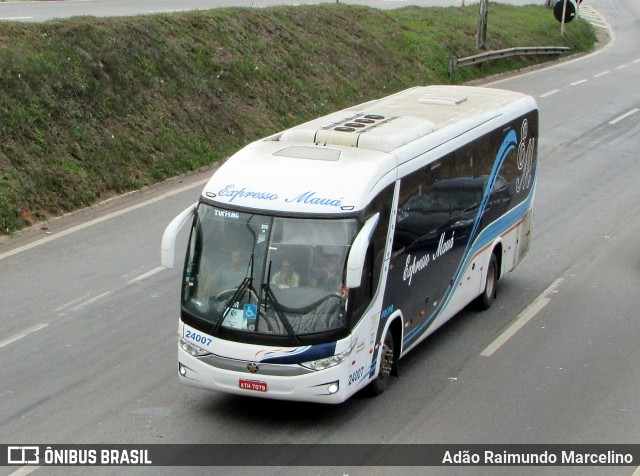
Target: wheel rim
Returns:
[491, 280]
[386, 363]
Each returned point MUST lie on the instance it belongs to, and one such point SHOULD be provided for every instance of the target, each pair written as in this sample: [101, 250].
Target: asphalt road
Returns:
[42, 11]
[88, 320]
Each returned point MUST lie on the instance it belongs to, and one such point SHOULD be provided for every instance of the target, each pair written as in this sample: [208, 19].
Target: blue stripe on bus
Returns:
[306, 354]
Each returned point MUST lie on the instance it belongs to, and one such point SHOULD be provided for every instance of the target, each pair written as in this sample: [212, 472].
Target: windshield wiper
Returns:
[247, 283]
[277, 309]
[244, 286]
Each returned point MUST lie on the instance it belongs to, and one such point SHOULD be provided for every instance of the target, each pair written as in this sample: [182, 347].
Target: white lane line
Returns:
[146, 275]
[636, 61]
[624, 116]
[622, 66]
[600, 74]
[636, 472]
[578, 82]
[71, 303]
[525, 316]
[549, 93]
[95, 221]
[22, 334]
[24, 471]
[88, 302]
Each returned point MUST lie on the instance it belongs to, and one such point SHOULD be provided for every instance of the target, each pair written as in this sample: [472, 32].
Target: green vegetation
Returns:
[92, 107]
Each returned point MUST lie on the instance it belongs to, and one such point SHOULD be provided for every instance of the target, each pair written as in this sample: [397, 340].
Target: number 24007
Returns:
[355, 376]
[199, 338]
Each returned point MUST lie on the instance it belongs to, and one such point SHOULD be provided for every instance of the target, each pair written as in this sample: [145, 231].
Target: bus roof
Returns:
[336, 163]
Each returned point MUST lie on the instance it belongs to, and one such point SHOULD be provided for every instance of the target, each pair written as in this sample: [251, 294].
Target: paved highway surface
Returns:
[88, 320]
[41, 11]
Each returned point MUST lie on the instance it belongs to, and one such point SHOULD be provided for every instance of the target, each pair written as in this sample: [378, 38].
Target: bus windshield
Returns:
[264, 274]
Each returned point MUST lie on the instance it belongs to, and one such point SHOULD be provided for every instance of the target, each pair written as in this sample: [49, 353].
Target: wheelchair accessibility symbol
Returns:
[250, 311]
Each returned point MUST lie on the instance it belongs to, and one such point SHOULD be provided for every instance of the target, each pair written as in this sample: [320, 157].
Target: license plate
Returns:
[253, 385]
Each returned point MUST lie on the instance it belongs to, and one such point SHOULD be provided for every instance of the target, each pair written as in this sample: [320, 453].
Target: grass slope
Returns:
[94, 107]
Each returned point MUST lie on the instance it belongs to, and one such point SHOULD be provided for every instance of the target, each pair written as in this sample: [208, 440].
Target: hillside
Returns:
[91, 107]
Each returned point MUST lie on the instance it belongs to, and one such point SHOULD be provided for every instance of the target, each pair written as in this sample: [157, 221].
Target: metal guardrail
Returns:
[493, 55]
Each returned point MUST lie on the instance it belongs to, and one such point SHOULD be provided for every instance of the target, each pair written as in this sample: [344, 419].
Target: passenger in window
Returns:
[286, 277]
[330, 276]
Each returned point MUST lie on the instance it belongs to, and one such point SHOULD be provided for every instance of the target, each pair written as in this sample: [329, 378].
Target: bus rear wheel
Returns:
[381, 382]
[489, 294]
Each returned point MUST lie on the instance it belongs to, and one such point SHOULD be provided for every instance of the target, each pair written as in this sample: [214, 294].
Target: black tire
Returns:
[387, 357]
[490, 292]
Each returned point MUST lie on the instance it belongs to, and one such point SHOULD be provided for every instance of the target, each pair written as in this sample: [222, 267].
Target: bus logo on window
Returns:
[525, 158]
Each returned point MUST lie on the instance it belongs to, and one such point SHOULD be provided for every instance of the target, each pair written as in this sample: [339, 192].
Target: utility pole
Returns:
[564, 12]
[481, 36]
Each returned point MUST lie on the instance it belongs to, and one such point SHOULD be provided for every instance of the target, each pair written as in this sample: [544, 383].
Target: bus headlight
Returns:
[328, 362]
[191, 349]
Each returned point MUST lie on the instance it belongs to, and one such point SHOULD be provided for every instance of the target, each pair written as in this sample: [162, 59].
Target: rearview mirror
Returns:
[358, 252]
[167, 250]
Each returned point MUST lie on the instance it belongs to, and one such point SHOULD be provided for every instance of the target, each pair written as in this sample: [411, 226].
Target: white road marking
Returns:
[599, 24]
[547, 94]
[624, 116]
[636, 472]
[525, 316]
[593, 17]
[601, 74]
[22, 334]
[71, 303]
[24, 471]
[578, 82]
[95, 221]
[146, 275]
[84, 304]
[16, 18]
[622, 66]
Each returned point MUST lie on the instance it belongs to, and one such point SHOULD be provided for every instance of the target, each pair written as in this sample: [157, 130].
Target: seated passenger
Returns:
[286, 277]
[330, 276]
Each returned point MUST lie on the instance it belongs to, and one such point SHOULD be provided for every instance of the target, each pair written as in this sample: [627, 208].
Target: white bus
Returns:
[321, 255]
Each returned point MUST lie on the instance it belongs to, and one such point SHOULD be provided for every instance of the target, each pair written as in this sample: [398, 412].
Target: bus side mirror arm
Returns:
[358, 253]
[168, 247]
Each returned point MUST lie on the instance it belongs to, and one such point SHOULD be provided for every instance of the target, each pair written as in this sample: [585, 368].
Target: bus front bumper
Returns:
[290, 382]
